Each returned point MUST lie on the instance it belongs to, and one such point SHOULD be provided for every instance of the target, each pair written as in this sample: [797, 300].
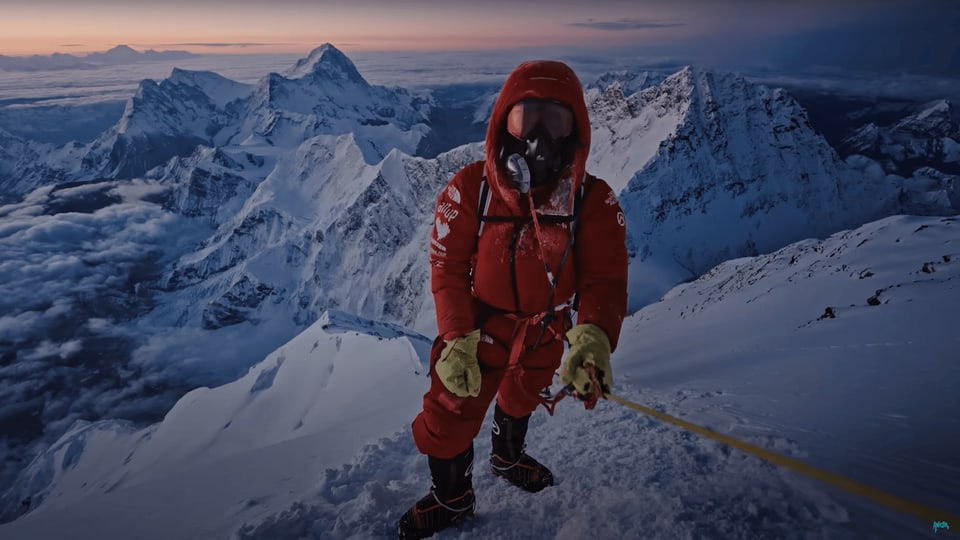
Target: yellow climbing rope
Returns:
[842, 482]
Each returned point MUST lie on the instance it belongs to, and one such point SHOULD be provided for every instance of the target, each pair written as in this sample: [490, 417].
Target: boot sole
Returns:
[529, 489]
[466, 516]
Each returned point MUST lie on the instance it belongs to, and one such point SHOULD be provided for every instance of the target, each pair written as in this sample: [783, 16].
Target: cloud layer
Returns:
[73, 262]
[626, 24]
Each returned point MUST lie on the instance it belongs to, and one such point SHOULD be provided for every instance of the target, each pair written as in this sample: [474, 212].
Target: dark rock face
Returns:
[236, 305]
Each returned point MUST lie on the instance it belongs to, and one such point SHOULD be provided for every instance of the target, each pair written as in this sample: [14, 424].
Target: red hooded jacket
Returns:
[497, 264]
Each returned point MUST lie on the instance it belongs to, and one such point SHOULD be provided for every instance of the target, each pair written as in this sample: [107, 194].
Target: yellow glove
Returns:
[458, 367]
[589, 346]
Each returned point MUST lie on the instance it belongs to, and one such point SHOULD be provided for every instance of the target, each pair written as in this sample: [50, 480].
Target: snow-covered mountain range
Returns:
[217, 220]
[322, 94]
[928, 138]
[709, 167]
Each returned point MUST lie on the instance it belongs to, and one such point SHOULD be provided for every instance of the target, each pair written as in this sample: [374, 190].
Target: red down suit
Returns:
[489, 273]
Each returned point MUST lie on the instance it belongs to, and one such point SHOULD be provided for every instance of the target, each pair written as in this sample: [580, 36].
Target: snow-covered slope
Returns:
[23, 162]
[325, 387]
[13, 152]
[747, 350]
[323, 229]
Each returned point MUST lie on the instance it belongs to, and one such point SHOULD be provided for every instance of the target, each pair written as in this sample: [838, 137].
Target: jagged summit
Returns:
[328, 62]
[708, 151]
[196, 78]
[628, 81]
[930, 137]
[216, 87]
[935, 118]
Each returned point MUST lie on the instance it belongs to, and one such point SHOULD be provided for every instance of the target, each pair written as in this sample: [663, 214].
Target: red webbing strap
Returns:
[519, 336]
[519, 339]
[536, 228]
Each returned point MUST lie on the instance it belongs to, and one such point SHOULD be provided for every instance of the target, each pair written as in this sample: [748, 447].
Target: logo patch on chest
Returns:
[443, 229]
[447, 211]
[454, 194]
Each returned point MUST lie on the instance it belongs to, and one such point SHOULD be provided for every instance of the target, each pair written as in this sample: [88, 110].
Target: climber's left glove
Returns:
[589, 346]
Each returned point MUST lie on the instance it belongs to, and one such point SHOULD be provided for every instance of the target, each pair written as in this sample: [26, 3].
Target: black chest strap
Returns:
[483, 208]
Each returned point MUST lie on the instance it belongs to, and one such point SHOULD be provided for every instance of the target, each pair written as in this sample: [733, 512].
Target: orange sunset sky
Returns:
[877, 35]
[252, 26]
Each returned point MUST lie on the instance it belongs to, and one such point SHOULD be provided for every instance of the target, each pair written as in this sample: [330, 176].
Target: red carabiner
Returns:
[596, 391]
[549, 401]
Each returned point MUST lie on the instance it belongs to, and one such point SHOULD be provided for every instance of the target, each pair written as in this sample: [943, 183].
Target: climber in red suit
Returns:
[508, 262]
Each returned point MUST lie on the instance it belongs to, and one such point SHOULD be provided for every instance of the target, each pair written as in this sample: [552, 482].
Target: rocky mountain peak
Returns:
[934, 119]
[328, 62]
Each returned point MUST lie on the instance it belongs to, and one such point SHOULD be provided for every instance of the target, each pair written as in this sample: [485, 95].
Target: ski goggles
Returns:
[525, 115]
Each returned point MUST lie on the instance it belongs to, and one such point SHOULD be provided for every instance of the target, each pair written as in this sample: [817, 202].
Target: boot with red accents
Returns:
[508, 460]
[449, 502]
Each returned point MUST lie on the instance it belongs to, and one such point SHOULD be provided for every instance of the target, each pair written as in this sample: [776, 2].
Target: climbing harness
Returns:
[552, 313]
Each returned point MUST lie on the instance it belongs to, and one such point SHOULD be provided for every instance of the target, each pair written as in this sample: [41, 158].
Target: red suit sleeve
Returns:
[453, 244]
[601, 261]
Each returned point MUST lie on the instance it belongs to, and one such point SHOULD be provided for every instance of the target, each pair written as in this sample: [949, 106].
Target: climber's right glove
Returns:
[458, 367]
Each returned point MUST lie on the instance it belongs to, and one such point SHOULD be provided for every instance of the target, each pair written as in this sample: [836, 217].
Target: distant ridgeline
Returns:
[121, 54]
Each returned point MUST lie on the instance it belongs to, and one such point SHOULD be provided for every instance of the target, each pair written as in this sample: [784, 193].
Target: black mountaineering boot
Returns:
[450, 499]
[508, 458]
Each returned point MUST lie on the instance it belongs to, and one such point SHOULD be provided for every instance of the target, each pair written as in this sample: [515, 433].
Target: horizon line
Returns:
[253, 48]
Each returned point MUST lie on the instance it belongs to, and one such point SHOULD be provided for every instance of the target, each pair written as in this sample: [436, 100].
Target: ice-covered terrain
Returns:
[313, 442]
